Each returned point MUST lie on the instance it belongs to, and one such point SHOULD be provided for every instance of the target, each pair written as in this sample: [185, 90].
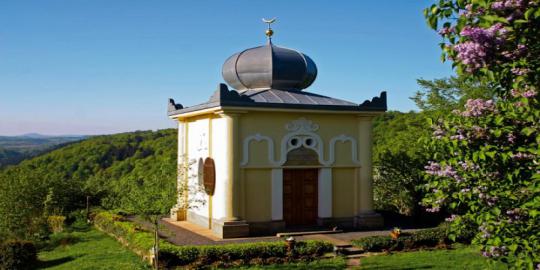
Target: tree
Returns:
[441, 96]
[151, 198]
[485, 164]
[399, 151]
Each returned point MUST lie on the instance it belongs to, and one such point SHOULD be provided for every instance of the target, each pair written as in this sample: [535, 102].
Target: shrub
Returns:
[374, 243]
[56, 223]
[16, 254]
[420, 239]
[218, 255]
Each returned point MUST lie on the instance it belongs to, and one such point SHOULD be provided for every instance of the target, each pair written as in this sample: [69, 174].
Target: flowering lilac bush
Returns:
[485, 169]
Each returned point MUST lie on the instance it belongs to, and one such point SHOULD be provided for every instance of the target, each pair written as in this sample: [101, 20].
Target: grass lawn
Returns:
[90, 249]
[462, 257]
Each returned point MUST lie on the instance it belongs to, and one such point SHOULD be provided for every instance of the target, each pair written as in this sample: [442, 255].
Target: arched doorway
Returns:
[300, 188]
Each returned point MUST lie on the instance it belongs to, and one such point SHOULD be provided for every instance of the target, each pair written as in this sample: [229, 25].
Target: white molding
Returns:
[277, 194]
[332, 149]
[302, 130]
[258, 137]
[325, 193]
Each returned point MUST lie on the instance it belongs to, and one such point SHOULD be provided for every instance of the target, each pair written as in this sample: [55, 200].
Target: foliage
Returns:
[420, 239]
[399, 152]
[486, 167]
[103, 167]
[56, 223]
[266, 252]
[441, 96]
[397, 158]
[89, 249]
[458, 257]
[16, 254]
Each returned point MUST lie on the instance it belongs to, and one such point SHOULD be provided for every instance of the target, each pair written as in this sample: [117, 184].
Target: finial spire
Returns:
[269, 31]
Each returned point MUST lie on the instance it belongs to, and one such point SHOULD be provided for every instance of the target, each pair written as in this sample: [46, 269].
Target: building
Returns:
[272, 155]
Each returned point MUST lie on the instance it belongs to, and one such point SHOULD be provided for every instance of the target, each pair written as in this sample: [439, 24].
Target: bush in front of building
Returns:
[421, 239]
[228, 255]
[260, 253]
[15, 254]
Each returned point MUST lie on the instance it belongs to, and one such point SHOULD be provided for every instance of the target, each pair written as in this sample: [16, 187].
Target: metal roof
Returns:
[275, 98]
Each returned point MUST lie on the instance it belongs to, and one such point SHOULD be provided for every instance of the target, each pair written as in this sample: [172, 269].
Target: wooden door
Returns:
[300, 196]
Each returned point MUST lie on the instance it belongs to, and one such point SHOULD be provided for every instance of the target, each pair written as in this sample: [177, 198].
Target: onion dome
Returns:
[269, 67]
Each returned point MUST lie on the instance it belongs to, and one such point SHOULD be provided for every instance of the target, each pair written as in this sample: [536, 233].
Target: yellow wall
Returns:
[343, 192]
[272, 124]
[258, 194]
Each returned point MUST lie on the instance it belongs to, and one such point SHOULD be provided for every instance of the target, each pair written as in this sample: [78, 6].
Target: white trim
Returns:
[258, 137]
[301, 130]
[325, 193]
[277, 194]
[332, 149]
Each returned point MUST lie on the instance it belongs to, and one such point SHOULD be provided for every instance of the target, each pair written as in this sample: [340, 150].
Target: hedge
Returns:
[218, 255]
[16, 254]
[420, 239]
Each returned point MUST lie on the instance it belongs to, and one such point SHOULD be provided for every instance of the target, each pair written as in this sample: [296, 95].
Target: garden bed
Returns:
[262, 253]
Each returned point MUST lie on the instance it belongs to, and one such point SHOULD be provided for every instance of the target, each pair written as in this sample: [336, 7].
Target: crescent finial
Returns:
[269, 31]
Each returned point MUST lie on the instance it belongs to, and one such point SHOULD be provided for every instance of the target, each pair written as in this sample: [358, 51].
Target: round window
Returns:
[308, 142]
[294, 142]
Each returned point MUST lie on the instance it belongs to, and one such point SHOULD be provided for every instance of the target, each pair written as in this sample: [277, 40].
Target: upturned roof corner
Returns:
[376, 102]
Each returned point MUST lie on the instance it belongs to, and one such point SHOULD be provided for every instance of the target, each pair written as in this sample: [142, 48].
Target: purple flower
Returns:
[529, 93]
[480, 46]
[446, 30]
[515, 93]
[520, 71]
[451, 218]
[433, 209]
[511, 138]
[436, 169]
[438, 132]
[477, 107]
[522, 156]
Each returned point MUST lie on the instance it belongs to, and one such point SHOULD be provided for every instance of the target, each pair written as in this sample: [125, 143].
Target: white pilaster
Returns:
[325, 193]
[277, 194]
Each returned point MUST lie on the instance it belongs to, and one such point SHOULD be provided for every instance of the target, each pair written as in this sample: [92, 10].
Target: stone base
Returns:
[230, 229]
[266, 228]
[341, 223]
[198, 219]
[368, 221]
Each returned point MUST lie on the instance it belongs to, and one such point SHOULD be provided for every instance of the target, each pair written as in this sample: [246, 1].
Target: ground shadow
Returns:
[55, 262]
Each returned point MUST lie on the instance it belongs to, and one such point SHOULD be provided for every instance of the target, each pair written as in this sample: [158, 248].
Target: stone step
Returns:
[287, 234]
[352, 251]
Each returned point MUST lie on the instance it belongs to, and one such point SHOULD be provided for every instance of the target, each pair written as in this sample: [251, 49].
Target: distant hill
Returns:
[107, 168]
[14, 149]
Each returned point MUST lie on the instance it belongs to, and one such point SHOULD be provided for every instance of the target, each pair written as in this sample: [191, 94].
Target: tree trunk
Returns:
[156, 243]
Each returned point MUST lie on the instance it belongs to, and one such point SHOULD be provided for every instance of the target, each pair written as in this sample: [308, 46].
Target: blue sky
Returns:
[100, 66]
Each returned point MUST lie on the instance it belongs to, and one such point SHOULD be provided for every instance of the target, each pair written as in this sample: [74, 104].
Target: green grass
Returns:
[91, 249]
[462, 257]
